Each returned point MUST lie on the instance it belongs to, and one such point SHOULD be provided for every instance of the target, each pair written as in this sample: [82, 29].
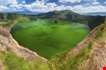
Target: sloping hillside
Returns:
[87, 55]
[15, 57]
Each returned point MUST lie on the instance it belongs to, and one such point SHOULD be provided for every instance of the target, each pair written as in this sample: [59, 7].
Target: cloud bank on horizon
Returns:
[42, 6]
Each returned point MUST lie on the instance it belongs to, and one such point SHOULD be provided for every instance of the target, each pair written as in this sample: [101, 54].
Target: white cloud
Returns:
[41, 7]
[71, 1]
[89, 9]
[6, 2]
[38, 4]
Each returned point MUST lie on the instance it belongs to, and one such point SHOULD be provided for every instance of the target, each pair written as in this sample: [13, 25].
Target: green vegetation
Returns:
[73, 63]
[51, 35]
[49, 38]
[13, 62]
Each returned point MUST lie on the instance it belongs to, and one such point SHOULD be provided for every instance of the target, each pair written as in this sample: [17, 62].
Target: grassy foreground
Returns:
[13, 62]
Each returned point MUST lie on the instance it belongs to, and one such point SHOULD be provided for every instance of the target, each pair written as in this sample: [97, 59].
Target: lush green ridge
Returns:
[49, 38]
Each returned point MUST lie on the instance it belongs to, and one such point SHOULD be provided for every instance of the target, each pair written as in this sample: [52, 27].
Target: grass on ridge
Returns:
[74, 63]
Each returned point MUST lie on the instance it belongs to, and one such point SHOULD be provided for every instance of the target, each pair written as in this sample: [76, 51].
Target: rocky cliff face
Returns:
[8, 44]
[89, 54]
[96, 41]
[97, 57]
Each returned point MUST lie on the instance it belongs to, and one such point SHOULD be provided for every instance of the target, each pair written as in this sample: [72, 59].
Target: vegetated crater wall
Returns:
[7, 43]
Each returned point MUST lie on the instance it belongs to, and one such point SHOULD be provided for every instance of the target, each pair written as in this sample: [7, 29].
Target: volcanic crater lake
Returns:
[49, 39]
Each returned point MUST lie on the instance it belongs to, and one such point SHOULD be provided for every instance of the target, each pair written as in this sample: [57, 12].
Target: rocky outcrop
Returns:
[89, 54]
[1, 66]
[97, 55]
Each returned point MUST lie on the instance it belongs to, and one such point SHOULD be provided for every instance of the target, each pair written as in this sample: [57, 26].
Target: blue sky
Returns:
[27, 1]
[42, 6]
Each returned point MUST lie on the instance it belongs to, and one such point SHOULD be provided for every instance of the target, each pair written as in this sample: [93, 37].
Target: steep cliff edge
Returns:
[89, 54]
[97, 57]
[9, 45]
